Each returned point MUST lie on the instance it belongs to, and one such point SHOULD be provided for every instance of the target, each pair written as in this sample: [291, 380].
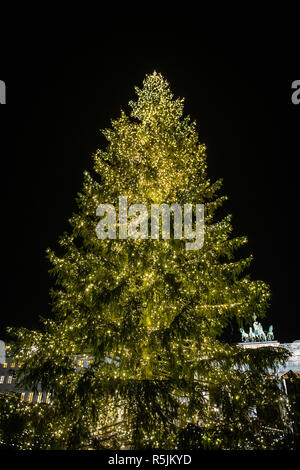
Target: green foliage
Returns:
[149, 312]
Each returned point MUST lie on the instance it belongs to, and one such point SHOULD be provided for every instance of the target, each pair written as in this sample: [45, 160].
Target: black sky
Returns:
[68, 74]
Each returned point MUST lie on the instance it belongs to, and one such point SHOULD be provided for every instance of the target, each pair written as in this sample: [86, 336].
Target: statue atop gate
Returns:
[256, 333]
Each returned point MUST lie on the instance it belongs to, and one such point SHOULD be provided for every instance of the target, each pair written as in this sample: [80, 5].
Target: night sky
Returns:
[68, 74]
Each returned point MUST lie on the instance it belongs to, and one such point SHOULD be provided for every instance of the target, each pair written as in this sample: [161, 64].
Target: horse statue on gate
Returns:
[259, 332]
[251, 335]
[245, 335]
[270, 335]
[256, 333]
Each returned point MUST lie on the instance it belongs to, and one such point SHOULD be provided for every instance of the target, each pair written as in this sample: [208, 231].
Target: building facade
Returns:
[8, 373]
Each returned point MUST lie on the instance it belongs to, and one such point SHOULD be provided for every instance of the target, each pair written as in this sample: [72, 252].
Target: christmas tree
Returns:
[148, 312]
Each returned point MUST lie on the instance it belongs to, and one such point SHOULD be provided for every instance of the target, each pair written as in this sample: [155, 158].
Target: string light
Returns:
[155, 310]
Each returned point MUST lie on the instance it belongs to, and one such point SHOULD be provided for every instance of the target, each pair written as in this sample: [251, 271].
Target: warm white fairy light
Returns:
[153, 308]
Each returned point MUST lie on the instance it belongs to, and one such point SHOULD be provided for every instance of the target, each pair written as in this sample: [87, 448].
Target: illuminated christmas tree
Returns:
[149, 313]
